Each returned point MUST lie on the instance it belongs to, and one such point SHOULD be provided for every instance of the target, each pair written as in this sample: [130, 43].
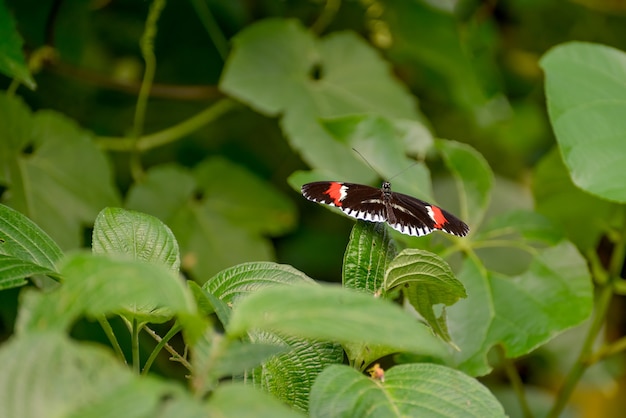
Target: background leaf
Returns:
[12, 63]
[586, 93]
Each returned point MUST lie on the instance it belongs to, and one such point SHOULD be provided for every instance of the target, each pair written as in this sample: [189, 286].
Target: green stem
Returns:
[608, 350]
[170, 134]
[135, 345]
[162, 343]
[326, 17]
[516, 382]
[106, 327]
[210, 24]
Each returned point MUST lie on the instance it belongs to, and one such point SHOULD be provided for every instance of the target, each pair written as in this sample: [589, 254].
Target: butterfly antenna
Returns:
[373, 169]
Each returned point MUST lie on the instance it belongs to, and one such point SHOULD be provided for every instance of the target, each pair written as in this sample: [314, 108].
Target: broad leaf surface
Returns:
[334, 314]
[522, 312]
[278, 67]
[553, 190]
[25, 248]
[473, 177]
[135, 235]
[427, 281]
[411, 390]
[220, 213]
[12, 63]
[48, 375]
[94, 286]
[288, 376]
[586, 94]
[64, 182]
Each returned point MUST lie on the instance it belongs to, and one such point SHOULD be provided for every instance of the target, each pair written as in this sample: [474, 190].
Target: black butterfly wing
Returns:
[416, 217]
[355, 200]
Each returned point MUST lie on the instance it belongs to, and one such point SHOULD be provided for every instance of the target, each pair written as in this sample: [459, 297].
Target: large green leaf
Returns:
[26, 250]
[94, 285]
[47, 375]
[12, 63]
[235, 400]
[586, 93]
[426, 281]
[64, 182]
[410, 390]
[220, 213]
[522, 312]
[553, 191]
[334, 314]
[135, 235]
[288, 376]
[278, 67]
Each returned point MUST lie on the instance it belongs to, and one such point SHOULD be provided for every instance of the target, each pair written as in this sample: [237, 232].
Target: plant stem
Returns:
[106, 327]
[170, 134]
[327, 16]
[135, 345]
[516, 382]
[210, 24]
[162, 343]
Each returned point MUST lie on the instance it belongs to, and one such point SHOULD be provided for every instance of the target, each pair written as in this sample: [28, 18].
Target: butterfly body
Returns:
[402, 212]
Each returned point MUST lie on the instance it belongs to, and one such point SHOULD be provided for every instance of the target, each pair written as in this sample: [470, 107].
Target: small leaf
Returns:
[14, 271]
[136, 236]
[428, 281]
[522, 312]
[369, 252]
[12, 63]
[236, 400]
[410, 390]
[333, 314]
[23, 239]
[473, 176]
[586, 96]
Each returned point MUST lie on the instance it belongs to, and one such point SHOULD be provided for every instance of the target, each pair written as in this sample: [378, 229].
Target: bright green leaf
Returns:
[96, 286]
[427, 280]
[522, 312]
[12, 63]
[66, 180]
[335, 314]
[410, 390]
[135, 235]
[14, 271]
[586, 94]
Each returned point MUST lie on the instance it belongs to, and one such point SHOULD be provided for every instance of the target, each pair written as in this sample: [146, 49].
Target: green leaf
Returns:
[12, 62]
[307, 79]
[586, 95]
[96, 286]
[67, 379]
[22, 238]
[521, 312]
[335, 314]
[369, 252]
[216, 220]
[66, 180]
[410, 390]
[236, 400]
[288, 376]
[14, 271]
[473, 177]
[136, 236]
[553, 190]
[427, 281]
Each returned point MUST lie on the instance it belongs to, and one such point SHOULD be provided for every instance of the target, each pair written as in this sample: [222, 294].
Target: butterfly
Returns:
[402, 212]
